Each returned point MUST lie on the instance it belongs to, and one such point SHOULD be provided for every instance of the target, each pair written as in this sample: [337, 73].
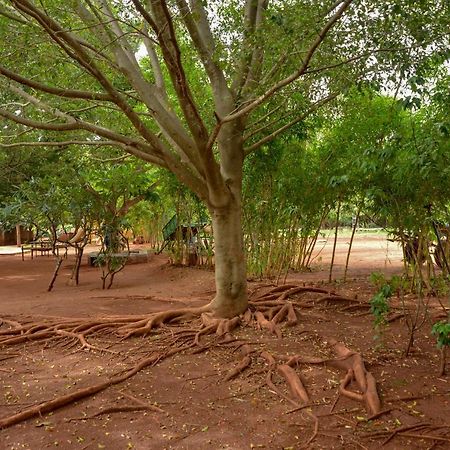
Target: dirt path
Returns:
[200, 410]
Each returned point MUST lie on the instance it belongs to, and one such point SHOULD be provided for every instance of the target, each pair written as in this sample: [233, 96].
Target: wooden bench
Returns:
[42, 247]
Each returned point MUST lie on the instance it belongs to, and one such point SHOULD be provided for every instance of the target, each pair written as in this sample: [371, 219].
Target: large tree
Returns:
[219, 80]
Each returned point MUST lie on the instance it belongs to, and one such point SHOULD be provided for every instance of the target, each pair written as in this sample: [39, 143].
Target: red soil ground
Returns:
[200, 410]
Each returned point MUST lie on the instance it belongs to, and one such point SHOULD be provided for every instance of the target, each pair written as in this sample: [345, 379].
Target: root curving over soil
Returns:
[270, 309]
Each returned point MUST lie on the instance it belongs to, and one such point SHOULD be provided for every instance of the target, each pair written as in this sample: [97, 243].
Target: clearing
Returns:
[193, 399]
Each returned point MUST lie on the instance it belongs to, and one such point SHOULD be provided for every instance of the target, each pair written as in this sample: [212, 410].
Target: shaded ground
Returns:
[200, 410]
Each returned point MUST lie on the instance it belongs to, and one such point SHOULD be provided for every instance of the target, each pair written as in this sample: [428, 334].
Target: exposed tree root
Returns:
[244, 363]
[418, 430]
[295, 384]
[272, 365]
[268, 324]
[356, 306]
[338, 298]
[124, 326]
[275, 390]
[343, 387]
[394, 317]
[286, 312]
[426, 436]
[339, 413]
[288, 290]
[12, 323]
[146, 325]
[404, 430]
[354, 364]
[296, 387]
[272, 307]
[117, 409]
[6, 357]
[416, 427]
[379, 414]
[80, 394]
[82, 340]
[138, 406]
[270, 311]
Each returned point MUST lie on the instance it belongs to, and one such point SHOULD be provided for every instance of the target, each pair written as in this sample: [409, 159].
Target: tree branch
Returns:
[261, 119]
[153, 150]
[243, 66]
[282, 129]
[41, 104]
[156, 103]
[298, 73]
[63, 37]
[124, 47]
[365, 54]
[134, 146]
[162, 25]
[67, 93]
[201, 36]
[10, 15]
[186, 160]
[130, 149]
[107, 160]
[90, 23]
[255, 63]
[99, 143]
[200, 33]
[153, 57]
[133, 201]
[201, 157]
[39, 125]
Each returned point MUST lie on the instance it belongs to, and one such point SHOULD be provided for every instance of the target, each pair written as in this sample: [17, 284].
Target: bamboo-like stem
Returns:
[316, 236]
[338, 211]
[351, 242]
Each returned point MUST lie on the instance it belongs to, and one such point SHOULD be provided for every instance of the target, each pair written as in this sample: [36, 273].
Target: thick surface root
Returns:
[296, 387]
[270, 311]
[354, 364]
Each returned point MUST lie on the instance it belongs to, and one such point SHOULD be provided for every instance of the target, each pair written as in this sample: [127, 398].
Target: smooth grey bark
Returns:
[225, 206]
[230, 265]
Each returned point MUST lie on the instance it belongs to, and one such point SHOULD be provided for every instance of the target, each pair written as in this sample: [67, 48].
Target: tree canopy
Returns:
[207, 65]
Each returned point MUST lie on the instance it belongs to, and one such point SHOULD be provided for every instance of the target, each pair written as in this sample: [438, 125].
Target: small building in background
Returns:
[16, 236]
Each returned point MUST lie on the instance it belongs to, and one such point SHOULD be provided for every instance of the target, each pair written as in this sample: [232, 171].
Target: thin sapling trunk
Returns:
[355, 225]
[330, 276]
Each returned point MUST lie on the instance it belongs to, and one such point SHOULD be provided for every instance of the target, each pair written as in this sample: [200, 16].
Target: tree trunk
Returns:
[76, 269]
[230, 270]
[55, 274]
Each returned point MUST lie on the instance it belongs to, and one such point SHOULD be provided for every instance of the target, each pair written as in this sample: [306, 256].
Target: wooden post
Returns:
[18, 236]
